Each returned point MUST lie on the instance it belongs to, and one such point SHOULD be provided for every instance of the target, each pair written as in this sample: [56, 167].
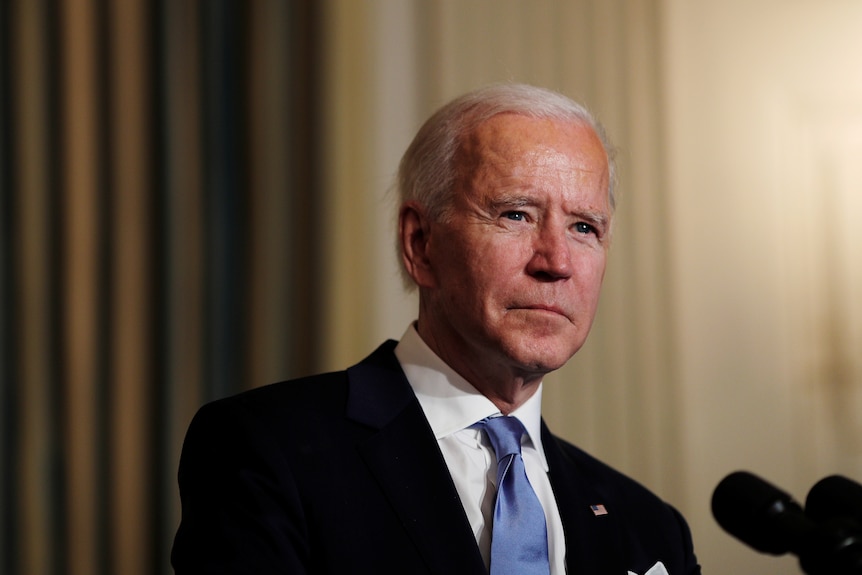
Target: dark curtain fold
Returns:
[159, 230]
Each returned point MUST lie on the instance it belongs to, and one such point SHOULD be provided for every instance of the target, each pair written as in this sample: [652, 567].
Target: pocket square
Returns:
[657, 569]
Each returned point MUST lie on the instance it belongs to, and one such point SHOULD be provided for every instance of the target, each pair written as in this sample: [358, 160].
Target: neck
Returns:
[506, 387]
[512, 399]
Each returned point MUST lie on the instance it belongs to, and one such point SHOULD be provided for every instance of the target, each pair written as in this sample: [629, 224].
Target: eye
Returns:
[584, 228]
[515, 216]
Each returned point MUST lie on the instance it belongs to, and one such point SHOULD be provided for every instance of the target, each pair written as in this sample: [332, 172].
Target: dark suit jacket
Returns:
[340, 473]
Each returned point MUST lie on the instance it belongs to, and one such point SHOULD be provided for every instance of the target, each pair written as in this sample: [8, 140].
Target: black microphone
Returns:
[835, 497]
[769, 520]
[835, 503]
[761, 515]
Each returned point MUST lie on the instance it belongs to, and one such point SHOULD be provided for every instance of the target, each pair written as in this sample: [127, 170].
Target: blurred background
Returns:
[194, 200]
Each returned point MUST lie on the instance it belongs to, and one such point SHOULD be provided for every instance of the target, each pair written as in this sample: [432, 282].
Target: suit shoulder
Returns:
[300, 400]
[289, 394]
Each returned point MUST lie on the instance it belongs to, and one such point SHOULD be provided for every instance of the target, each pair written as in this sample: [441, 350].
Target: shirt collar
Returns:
[449, 401]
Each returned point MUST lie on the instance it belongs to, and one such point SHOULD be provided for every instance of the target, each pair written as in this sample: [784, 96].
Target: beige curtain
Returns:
[158, 206]
[193, 200]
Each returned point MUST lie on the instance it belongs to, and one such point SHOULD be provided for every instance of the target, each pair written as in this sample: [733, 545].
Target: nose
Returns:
[552, 256]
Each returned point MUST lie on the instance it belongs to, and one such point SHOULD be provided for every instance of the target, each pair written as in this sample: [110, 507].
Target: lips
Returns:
[542, 307]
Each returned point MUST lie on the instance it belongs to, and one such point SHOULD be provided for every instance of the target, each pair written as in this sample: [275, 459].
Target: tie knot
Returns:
[505, 434]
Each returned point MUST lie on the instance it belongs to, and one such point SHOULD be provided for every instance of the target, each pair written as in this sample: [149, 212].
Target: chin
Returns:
[543, 358]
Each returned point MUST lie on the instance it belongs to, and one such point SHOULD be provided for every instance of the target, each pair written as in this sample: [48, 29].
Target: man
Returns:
[390, 466]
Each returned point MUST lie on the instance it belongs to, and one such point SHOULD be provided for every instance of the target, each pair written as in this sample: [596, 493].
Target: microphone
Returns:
[769, 520]
[835, 502]
[835, 497]
[760, 515]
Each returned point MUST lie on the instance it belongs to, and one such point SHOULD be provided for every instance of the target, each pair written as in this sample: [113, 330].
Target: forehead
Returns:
[512, 145]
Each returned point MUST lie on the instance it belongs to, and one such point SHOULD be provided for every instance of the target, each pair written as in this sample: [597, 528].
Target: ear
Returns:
[414, 233]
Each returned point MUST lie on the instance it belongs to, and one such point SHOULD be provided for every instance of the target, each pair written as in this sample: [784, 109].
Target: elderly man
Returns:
[430, 456]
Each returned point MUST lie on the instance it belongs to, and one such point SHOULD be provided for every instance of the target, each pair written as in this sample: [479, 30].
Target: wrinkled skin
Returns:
[509, 282]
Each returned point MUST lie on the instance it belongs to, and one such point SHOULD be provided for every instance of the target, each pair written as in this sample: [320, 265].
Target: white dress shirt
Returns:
[452, 405]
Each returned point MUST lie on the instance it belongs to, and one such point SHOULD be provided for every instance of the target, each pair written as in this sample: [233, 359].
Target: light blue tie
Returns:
[519, 540]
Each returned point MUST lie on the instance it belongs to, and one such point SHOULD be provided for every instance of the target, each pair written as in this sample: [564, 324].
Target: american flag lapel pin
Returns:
[598, 510]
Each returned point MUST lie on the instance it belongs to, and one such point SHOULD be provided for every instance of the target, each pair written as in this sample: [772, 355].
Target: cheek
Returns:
[499, 273]
[507, 255]
[482, 258]
[591, 276]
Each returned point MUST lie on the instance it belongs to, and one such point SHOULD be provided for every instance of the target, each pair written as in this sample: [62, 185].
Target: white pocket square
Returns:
[657, 569]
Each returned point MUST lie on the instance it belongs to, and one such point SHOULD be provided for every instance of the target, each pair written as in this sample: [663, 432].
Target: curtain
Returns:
[158, 212]
[195, 199]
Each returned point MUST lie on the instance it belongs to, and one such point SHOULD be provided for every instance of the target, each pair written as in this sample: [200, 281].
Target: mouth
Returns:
[543, 308]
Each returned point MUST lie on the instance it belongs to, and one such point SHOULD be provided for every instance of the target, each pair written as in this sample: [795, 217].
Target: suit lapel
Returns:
[406, 461]
[592, 540]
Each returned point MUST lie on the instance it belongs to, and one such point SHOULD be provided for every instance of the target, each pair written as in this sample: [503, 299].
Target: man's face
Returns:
[516, 269]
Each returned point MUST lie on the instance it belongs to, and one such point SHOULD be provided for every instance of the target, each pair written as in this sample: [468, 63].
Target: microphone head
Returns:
[759, 514]
[835, 497]
[835, 503]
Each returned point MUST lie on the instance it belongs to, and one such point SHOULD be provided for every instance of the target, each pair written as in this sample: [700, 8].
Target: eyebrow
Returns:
[514, 201]
[598, 219]
[518, 201]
